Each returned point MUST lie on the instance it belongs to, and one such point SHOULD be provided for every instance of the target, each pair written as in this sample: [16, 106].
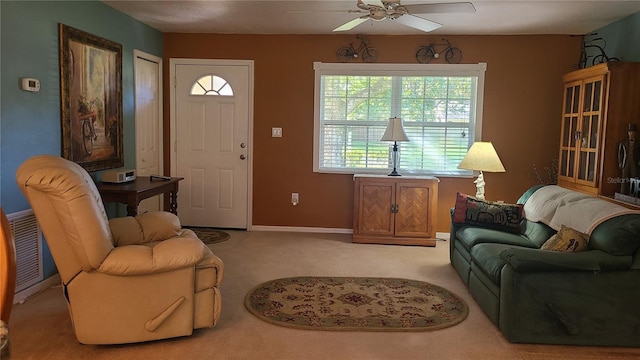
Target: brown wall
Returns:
[521, 116]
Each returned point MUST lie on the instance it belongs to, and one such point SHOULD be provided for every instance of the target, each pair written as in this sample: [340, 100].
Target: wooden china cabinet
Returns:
[397, 210]
[599, 104]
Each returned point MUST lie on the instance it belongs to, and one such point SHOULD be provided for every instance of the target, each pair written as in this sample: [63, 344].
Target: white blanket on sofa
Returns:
[557, 206]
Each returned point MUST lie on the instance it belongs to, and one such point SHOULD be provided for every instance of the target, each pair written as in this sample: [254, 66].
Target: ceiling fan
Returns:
[379, 10]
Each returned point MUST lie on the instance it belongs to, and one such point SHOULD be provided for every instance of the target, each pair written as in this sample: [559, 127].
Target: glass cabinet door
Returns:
[570, 116]
[588, 140]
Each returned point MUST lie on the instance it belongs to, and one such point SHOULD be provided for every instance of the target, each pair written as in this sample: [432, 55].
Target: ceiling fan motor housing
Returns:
[378, 14]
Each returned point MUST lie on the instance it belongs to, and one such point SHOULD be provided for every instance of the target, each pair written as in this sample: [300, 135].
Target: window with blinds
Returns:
[440, 106]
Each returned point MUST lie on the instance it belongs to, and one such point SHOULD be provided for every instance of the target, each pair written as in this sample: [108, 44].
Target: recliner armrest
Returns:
[144, 228]
[171, 254]
[535, 260]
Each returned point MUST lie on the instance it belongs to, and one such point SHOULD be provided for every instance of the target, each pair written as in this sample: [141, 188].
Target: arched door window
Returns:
[211, 85]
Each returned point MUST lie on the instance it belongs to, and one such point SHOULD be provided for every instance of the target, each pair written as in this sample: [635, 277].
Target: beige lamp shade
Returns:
[395, 131]
[482, 156]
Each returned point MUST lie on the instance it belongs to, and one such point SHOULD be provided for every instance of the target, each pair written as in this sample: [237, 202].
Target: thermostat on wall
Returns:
[30, 84]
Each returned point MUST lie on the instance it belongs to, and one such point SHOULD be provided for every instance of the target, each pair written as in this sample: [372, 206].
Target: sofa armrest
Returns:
[535, 260]
[167, 255]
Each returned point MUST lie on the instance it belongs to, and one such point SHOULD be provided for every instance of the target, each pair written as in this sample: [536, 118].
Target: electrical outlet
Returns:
[276, 132]
[295, 198]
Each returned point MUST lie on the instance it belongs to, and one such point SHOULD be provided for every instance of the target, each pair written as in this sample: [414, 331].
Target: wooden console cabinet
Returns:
[599, 104]
[395, 210]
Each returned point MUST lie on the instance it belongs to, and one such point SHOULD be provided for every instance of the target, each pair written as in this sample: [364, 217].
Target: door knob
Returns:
[242, 157]
[243, 145]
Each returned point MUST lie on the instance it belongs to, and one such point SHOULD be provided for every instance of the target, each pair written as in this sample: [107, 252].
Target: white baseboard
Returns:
[439, 235]
[21, 296]
[301, 229]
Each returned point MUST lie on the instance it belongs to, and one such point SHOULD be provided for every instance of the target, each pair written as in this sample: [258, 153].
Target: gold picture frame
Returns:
[91, 99]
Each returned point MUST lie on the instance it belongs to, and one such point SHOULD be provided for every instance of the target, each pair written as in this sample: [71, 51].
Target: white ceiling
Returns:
[320, 17]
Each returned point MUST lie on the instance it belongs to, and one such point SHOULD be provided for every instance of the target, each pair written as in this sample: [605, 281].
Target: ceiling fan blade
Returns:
[351, 24]
[324, 11]
[459, 7]
[418, 23]
[377, 3]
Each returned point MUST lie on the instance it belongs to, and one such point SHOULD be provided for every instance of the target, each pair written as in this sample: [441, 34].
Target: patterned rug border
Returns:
[204, 233]
[463, 315]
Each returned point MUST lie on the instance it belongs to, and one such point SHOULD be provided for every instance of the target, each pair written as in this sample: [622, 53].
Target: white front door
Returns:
[148, 110]
[212, 110]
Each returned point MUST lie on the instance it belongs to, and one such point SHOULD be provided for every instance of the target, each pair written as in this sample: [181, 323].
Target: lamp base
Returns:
[395, 159]
[480, 186]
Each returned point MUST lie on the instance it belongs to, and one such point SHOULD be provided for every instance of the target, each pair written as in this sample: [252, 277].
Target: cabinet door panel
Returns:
[412, 218]
[568, 145]
[570, 130]
[375, 216]
[590, 128]
[586, 170]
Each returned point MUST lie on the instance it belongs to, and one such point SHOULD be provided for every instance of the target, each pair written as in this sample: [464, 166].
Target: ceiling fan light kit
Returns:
[379, 10]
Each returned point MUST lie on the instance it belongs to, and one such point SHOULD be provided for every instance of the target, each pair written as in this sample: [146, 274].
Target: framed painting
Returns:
[91, 99]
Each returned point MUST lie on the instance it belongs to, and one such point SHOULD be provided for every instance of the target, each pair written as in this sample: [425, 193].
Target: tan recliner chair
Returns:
[125, 279]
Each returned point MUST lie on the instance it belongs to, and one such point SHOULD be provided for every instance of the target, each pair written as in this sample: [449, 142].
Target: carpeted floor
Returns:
[356, 303]
[41, 327]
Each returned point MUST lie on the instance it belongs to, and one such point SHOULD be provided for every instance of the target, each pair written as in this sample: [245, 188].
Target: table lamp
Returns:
[395, 133]
[481, 157]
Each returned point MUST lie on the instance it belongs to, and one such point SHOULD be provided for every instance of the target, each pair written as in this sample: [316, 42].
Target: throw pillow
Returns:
[499, 216]
[567, 240]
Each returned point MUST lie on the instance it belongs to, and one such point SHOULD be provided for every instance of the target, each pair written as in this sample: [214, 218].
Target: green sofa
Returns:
[590, 297]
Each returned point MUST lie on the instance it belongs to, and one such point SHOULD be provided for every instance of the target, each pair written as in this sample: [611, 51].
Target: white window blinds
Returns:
[440, 106]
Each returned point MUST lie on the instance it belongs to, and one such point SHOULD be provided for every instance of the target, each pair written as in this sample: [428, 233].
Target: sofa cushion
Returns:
[473, 211]
[536, 261]
[567, 240]
[536, 232]
[635, 262]
[469, 236]
[487, 258]
[617, 236]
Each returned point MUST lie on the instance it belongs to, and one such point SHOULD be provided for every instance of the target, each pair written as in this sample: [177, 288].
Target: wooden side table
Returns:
[143, 187]
[395, 210]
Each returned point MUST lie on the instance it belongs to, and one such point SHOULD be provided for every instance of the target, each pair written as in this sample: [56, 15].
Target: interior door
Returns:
[212, 143]
[148, 113]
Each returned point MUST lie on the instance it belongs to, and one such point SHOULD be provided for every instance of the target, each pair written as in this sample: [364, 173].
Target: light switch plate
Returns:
[276, 132]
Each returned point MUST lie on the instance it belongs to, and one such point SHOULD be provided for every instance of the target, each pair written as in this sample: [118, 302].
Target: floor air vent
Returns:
[28, 239]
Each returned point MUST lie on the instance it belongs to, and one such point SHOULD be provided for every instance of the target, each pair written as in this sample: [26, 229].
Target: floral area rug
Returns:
[210, 235]
[356, 303]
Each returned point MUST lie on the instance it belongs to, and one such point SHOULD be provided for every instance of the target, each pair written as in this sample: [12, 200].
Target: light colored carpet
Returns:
[41, 329]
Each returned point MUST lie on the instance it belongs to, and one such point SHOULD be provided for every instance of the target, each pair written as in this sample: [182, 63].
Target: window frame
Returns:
[359, 69]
